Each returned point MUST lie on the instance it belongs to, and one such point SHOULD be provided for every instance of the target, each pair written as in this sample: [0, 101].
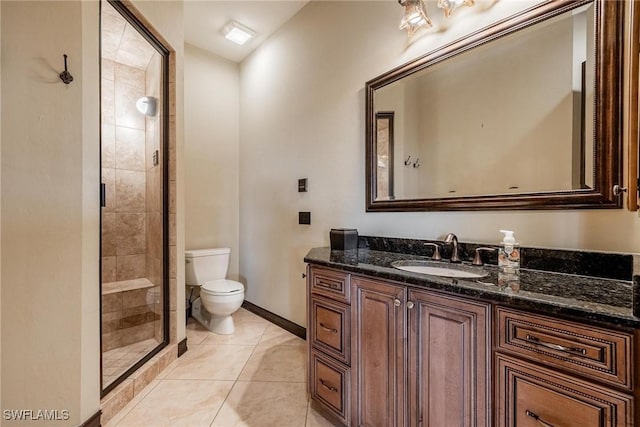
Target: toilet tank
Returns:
[203, 265]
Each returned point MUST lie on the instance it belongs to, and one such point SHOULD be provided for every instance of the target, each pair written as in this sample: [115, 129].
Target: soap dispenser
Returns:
[509, 254]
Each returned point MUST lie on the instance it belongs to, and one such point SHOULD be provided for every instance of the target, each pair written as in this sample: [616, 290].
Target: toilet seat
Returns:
[222, 287]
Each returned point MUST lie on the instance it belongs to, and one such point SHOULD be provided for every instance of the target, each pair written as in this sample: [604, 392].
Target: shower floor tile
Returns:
[118, 360]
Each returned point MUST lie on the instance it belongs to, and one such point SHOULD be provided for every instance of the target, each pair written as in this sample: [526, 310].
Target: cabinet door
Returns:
[378, 353]
[449, 361]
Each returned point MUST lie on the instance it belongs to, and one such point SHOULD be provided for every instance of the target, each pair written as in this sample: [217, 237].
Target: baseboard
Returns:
[285, 324]
[94, 421]
[182, 347]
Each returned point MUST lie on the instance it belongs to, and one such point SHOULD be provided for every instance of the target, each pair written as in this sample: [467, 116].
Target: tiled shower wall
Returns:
[123, 172]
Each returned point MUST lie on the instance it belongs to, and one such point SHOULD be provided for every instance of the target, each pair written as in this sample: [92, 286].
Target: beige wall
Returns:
[302, 115]
[211, 152]
[89, 387]
[50, 203]
[50, 209]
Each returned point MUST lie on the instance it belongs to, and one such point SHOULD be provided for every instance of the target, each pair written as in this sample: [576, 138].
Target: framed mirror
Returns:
[524, 114]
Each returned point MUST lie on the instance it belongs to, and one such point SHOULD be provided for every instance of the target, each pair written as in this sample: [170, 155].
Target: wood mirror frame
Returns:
[608, 109]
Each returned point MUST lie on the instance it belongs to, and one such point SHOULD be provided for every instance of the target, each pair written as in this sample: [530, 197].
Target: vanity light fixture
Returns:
[415, 16]
[450, 5]
[415, 13]
[237, 33]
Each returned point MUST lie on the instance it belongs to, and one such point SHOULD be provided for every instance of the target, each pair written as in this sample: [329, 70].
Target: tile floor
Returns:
[118, 360]
[255, 377]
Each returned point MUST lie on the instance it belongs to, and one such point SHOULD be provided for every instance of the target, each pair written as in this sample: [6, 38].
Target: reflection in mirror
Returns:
[479, 127]
[384, 153]
[508, 120]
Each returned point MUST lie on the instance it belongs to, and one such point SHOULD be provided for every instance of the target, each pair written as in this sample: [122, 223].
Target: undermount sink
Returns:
[440, 269]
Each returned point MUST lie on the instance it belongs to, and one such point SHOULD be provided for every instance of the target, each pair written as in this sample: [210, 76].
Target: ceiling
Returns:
[204, 20]
[121, 42]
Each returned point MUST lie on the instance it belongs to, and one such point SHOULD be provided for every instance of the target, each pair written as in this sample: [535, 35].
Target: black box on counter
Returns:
[343, 239]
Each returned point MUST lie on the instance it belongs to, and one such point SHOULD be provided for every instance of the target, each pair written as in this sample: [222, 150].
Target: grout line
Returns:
[197, 379]
[236, 381]
[306, 414]
[271, 381]
[124, 414]
[248, 359]
[224, 401]
[221, 405]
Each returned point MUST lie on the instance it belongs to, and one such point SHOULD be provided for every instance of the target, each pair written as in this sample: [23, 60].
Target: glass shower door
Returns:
[134, 209]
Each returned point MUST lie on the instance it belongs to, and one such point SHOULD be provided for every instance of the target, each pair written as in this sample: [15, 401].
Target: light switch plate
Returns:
[302, 185]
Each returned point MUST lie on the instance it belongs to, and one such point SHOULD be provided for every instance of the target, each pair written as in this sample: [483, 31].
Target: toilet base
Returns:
[222, 325]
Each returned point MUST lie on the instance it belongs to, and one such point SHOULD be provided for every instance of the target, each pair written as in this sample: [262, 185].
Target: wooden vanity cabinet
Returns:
[420, 358]
[383, 354]
[551, 372]
[329, 341]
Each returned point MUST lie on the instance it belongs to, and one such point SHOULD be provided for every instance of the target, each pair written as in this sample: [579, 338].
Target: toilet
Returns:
[219, 297]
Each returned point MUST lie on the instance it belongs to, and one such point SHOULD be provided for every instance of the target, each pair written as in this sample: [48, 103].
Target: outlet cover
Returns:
[304, 217]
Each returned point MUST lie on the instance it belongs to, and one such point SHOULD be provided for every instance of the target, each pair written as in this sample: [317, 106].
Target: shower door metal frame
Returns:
[164, 146]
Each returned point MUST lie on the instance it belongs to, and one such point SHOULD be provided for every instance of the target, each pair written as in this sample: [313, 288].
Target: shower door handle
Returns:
[103, 195]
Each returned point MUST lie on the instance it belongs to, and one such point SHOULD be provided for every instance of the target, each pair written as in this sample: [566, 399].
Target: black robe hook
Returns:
[66, 76]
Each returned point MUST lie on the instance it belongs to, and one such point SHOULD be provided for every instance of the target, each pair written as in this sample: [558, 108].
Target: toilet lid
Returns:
[222, 287]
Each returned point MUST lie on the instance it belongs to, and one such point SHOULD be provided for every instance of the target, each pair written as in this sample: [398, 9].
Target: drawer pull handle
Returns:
[397, 302]
[537, 418]
[332, 330]
[536, 340]
[328, 387]
[328, 285]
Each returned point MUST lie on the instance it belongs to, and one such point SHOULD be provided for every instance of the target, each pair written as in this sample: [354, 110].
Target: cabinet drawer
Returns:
[330, 283]
[330, 328]
[532, 396]
[329, 385]
[596, 353]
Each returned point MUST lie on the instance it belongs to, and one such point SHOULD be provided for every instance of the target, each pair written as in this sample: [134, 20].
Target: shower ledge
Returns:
[126, 285]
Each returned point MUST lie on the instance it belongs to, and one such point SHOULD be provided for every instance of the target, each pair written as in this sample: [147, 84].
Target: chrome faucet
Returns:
[452, 239]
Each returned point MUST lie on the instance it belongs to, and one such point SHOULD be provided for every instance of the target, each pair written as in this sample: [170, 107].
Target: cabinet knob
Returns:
[410, 305]
[618, 190]
[397, 302]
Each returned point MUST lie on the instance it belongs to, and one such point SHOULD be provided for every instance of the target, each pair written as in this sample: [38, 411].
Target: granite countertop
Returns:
[601, 301]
